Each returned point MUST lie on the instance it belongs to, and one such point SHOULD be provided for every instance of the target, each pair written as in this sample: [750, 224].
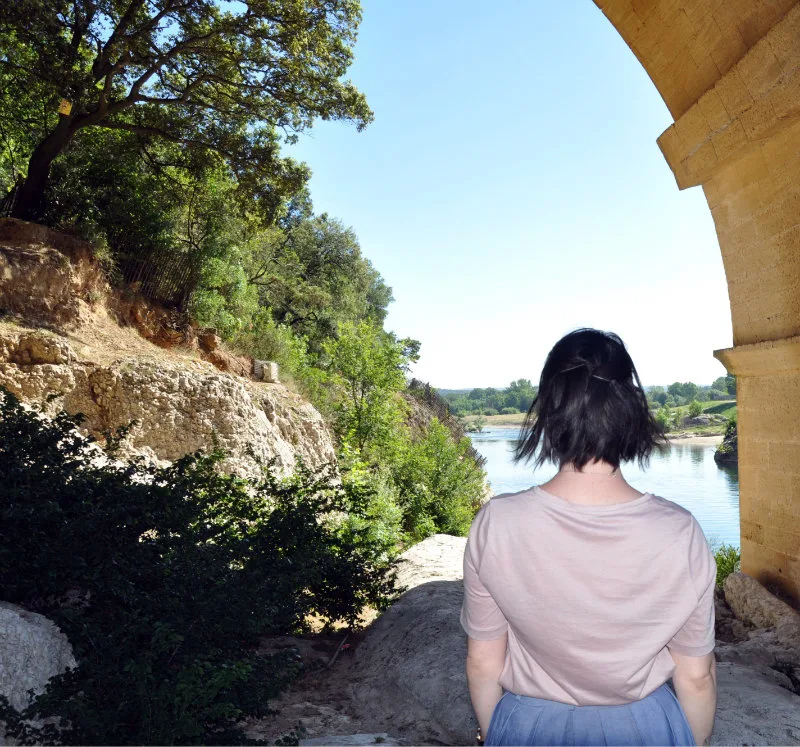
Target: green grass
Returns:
[726, 408]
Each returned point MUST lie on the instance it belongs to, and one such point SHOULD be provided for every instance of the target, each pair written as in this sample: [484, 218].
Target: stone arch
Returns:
[729, 73]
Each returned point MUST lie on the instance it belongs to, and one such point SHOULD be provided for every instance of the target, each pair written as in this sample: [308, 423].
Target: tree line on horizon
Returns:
[519, 395]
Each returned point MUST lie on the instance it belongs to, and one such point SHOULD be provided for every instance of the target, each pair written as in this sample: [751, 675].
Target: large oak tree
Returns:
[232, 77]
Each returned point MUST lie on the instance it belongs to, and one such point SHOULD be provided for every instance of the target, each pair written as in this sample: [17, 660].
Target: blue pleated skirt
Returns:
[657, 719]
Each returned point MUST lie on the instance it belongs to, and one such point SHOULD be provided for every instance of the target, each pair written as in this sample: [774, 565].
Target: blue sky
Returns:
[511, 189]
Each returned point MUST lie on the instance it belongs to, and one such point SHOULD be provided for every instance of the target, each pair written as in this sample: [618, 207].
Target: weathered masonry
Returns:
[729, 72]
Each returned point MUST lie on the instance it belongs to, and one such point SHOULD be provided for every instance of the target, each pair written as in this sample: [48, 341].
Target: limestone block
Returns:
[265, 371]
[32, 650]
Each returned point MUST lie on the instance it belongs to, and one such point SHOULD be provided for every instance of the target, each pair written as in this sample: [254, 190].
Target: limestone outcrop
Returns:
[68, 342]
[178, 405]
[32, 650]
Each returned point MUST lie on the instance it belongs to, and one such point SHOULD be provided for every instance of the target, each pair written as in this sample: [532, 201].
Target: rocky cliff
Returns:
[68, 342]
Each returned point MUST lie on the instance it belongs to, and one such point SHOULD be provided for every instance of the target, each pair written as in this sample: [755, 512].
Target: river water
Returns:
[686, 474]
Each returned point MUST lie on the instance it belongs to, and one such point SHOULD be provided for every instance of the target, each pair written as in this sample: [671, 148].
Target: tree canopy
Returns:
[224, 77]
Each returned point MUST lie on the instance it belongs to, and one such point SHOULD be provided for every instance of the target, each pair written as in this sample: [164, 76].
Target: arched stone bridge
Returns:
[729, 72]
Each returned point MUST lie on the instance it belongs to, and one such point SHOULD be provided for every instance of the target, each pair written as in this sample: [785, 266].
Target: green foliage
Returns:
[695, 408]
[224, 78]
[728, 559]
[382, 517]
[726, 384]
[163, 579]
[657, 394]
[367, 367]
[517, 397]
[441, 487]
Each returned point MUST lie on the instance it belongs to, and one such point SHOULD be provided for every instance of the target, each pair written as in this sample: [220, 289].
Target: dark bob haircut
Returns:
[590, 406]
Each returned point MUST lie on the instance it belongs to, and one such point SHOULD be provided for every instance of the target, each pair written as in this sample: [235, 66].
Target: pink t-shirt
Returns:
[592, 597]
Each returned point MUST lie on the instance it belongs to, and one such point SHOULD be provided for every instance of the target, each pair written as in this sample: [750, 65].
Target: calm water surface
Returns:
[687, 474]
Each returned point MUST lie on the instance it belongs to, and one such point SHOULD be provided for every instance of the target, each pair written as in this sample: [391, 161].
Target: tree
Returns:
[222, 77]
[313, 276]
[369, 366]
[441, 486]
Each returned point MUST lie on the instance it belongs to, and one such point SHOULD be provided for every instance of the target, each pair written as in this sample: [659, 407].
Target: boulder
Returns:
[727, 453]
[702, 419]
[408, 674]
[32, 650]
[754, 709]
[756, 606]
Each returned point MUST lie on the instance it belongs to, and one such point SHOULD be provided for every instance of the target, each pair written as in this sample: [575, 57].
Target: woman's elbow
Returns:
[486, 659]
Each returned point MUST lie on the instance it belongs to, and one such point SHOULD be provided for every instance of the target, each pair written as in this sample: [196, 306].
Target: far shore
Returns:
[514, 423]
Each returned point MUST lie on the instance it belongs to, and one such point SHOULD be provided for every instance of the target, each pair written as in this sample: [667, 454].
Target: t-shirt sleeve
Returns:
[696, 637]
[481, 618]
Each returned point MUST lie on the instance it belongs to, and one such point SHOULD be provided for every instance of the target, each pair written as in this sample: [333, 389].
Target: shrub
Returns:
[695, 408]
[509, 411]
[177, 572]
[728, 559]
[441, 486]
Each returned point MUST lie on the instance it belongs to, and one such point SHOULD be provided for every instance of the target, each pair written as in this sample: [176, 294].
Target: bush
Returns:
[489, 411]
[441, 487]
[695, 408]
[164, 579]
[509, 411]
[728, 559]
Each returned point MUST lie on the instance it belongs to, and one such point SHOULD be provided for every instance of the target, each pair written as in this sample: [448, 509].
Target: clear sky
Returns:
[511, 189]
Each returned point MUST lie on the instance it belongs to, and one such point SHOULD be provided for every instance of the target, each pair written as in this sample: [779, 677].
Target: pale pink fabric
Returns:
[592, 597]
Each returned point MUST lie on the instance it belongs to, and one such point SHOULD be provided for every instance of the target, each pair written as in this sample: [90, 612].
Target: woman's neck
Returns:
[598, 483]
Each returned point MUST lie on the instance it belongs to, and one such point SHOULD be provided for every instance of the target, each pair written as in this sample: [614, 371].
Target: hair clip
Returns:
[586, 366]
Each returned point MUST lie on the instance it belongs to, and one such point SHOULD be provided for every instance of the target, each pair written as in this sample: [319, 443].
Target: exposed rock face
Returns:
[32, 650]
[727, 453]
[179, 406]
[752, 603]
[45, 276]
[407, 677]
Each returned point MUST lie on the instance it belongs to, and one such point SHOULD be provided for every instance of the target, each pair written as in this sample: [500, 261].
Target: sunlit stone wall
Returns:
[729, 72]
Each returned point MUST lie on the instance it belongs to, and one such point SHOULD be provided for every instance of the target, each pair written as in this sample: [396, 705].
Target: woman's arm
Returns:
[695, 680]
[485, 662]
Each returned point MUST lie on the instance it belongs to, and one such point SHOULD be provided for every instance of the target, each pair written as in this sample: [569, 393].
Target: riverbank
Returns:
[713, 439]
[701, 437]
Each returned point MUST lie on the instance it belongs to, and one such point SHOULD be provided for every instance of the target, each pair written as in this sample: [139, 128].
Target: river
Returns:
[686, 474]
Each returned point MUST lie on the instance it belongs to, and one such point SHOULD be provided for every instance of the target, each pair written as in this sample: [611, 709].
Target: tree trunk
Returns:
[29, 202]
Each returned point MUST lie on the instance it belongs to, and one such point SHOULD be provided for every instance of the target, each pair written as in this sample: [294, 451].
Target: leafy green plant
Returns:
[728, 558]
[164, 579]
[441, 487]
